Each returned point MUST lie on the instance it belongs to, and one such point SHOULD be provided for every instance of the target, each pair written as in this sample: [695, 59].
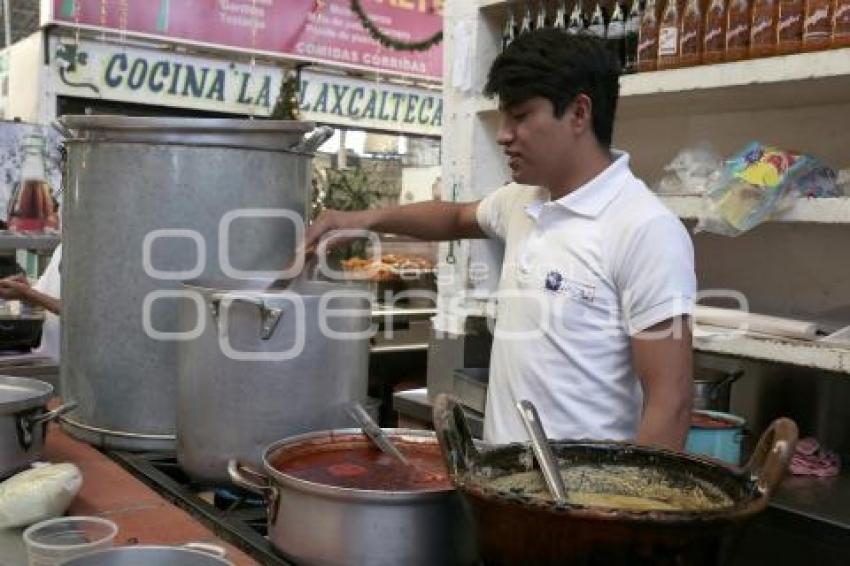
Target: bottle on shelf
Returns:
[576, 24]
[737, 30]
[630, 41]
[560, 21]
[597, 23]
[509, 33]
[668, 35]
[817, 25]
[763, 28]
[714, 34]
[615, 36]
[647, 53]
[690, 34]
[526, 22]
[541, 21]
[789, 26]
[841, 24]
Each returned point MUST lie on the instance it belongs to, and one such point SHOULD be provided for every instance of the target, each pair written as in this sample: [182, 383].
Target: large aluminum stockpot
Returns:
[268, 363]
[148, 203]
[319, 524]
[515, 524]
[23, 421]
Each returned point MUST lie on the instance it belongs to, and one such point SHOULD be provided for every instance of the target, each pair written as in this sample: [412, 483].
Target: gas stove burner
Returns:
[227, 498]
[237, 516]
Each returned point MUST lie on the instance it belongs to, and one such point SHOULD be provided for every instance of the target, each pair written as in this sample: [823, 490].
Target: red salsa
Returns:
[359, 465]
[703, 420]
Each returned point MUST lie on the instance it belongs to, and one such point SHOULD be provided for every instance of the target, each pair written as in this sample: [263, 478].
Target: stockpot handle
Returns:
[312, 142]
[206, 548]
[773, 452]
[239, 475]
[28, 421]
[269, 316]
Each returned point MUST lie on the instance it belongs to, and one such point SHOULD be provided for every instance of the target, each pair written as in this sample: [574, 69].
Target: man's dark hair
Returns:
[558, 66]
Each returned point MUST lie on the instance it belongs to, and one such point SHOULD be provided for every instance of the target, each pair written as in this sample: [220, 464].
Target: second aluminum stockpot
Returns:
[268, 363]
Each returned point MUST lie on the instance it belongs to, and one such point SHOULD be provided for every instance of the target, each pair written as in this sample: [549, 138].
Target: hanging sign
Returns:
[309, 30]
[162, 78]
[370, 105]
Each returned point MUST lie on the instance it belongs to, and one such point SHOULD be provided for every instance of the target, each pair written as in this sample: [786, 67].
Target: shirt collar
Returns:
[592, 197]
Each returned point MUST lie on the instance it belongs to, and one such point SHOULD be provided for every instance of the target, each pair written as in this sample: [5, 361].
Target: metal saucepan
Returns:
[516, 525]
[318, 523]
[712, 388]
[23, 421]
[192, 554]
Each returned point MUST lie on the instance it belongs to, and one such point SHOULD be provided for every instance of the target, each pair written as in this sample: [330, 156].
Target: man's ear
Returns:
[581, 113]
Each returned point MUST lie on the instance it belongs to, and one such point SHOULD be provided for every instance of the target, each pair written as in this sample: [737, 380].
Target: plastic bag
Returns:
[691, 171]
[759, 182]
[42, 492]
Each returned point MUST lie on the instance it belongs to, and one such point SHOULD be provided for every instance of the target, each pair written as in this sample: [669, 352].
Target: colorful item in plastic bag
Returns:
[759, 182]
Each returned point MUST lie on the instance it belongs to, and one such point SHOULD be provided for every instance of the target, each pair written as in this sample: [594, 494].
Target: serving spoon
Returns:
[375, 433]
[542, 451]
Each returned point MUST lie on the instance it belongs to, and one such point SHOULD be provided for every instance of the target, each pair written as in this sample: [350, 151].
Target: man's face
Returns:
[536, 143]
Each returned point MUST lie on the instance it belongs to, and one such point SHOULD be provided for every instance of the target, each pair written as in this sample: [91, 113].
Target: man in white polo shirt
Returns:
[598, 278]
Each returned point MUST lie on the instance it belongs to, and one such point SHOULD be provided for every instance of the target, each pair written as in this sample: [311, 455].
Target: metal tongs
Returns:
[375, 433]
[542, 451]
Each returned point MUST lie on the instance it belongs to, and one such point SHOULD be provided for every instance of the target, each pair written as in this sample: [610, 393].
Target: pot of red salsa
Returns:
[336, 499]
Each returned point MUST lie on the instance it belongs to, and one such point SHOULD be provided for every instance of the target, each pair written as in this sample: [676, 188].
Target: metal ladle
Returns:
[542, 451]
[375, 433]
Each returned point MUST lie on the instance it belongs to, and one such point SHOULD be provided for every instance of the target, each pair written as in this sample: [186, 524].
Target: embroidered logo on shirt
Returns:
[553, 281]
[557, 283]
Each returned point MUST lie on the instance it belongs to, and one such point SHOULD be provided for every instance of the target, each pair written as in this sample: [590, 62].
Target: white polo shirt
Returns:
[581, 276]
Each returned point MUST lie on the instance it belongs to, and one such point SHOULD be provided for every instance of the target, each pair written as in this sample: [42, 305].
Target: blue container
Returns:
[720, 443]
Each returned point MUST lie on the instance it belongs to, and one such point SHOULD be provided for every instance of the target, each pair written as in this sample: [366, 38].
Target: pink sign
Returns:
[310, 30]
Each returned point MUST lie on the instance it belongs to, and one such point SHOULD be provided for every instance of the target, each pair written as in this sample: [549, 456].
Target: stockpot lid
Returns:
[22, 393]
[275, 135]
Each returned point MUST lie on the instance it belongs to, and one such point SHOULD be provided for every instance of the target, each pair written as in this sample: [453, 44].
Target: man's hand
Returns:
[330, 221]
[15, 288]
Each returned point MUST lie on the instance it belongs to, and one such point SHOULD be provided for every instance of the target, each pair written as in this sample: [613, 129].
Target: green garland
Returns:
[388, 41]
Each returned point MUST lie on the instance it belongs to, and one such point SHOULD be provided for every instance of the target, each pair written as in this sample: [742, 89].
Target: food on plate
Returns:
[387, 267]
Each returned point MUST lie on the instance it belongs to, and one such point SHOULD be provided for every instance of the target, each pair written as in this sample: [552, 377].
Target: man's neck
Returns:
[586, 169]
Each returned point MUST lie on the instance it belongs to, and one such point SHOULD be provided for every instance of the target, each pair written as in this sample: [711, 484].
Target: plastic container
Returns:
[721, 440]
[52, 542]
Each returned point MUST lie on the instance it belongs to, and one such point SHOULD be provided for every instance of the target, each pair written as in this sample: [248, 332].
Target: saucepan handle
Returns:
[773, 452]
[26, 423]
[239, 475]
[269, 316]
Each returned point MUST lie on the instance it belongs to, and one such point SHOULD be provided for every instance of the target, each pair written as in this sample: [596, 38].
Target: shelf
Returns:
[824, 211]
[788, 81]
[786, 351]
[36, 242]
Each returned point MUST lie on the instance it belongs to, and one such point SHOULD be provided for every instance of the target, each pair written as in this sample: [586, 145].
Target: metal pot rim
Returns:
[360, 495]
[737, 421]
[135, 548]
[38, 394]
[184, 125]
[264, 135]
[260, 287]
